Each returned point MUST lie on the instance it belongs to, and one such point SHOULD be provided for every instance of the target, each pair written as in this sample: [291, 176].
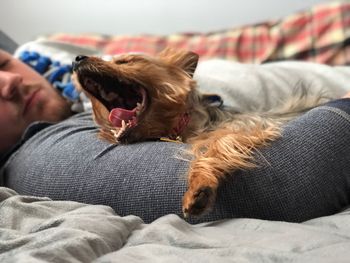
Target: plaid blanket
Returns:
[319, 34]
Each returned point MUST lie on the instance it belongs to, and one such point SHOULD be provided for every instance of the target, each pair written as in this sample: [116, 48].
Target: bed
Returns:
[38, 229]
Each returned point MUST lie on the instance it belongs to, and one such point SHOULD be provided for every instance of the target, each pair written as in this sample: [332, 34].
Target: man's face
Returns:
[25, 97]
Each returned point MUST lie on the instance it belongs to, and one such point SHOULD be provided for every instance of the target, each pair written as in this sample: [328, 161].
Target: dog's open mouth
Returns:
[125, 102]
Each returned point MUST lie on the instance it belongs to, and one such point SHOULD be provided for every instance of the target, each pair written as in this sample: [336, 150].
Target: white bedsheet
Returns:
[40, 230]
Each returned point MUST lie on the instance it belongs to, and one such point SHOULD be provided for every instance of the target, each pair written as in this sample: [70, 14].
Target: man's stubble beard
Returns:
[60, 112]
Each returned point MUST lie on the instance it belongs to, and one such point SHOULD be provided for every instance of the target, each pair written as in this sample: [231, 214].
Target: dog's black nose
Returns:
[78, 59]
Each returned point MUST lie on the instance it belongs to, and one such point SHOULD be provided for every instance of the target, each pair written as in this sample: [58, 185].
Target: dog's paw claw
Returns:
[198, 202]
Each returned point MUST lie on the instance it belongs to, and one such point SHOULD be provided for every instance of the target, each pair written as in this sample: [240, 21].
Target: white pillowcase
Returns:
[261, 87]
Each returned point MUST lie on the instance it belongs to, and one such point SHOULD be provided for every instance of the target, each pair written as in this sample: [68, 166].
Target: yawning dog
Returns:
[136, 97]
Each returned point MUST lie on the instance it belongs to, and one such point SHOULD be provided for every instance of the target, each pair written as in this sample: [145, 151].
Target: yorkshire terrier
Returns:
[136, 97]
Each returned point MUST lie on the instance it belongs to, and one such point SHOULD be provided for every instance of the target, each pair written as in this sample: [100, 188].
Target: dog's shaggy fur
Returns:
[137, 98]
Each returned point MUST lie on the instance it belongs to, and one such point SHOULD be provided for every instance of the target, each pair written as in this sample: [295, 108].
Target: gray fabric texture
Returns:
[303, 175]
[39, 230]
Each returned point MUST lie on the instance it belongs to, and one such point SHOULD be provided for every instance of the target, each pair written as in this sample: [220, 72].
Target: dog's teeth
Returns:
[120, 132]
[123, 124]
[115, 134]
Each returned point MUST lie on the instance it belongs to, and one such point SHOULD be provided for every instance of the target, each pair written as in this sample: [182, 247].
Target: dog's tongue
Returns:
[117, 115]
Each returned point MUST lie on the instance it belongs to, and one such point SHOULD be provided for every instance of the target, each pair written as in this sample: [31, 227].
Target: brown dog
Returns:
[136, 97]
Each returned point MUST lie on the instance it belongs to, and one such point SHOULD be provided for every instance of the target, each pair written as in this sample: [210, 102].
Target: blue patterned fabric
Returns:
[59, 75]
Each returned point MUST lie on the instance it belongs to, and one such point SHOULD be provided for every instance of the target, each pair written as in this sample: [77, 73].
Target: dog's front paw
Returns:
[198, 201]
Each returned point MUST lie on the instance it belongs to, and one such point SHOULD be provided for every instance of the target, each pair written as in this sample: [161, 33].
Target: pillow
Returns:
[65, 53]
[319, 34]
[252, 87]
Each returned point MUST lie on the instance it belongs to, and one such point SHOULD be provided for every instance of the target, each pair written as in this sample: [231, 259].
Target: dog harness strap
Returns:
[166, 139]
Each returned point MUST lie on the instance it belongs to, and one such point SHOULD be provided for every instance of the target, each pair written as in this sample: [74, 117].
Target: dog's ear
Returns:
[187, 60]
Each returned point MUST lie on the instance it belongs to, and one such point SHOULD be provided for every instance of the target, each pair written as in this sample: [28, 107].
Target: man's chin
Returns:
[58, 110]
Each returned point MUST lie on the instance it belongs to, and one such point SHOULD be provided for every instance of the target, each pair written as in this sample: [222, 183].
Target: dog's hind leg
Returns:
[217, 154]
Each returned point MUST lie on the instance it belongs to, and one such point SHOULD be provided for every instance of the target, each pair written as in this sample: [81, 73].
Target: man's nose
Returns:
[9, 83]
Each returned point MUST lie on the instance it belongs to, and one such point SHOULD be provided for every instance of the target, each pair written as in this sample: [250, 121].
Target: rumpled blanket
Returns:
[41, 230]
